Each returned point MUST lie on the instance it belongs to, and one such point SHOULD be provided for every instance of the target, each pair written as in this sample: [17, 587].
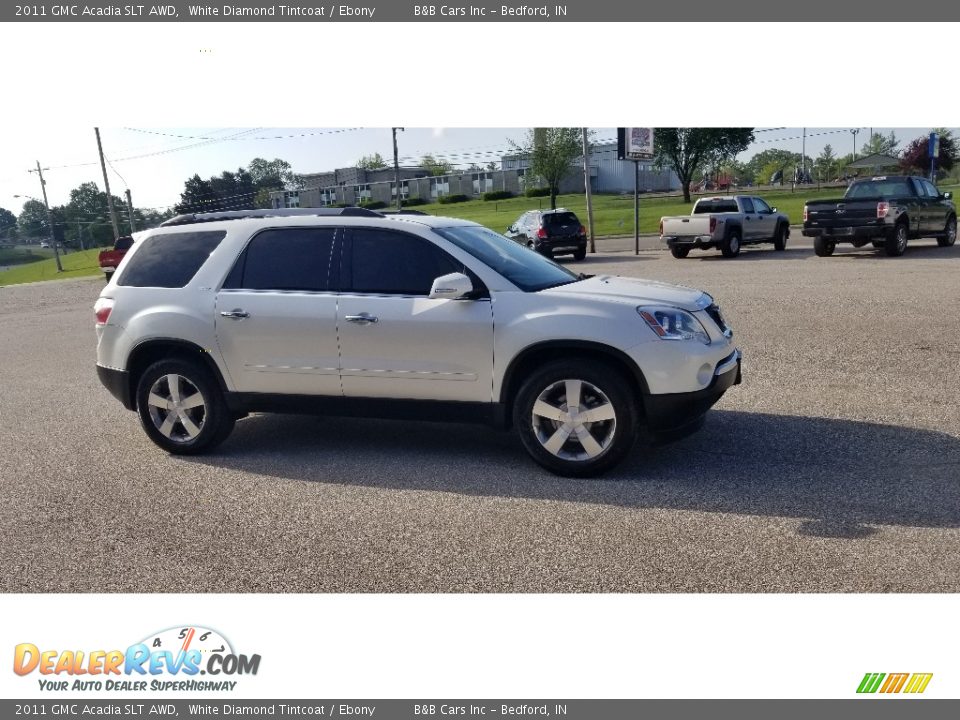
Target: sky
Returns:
[154, 162]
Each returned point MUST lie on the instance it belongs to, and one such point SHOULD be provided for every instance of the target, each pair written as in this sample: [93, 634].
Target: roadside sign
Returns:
[934, 145]
[635, 143]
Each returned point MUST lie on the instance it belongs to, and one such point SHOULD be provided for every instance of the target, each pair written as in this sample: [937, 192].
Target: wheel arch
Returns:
[537, 354]
[147, 352]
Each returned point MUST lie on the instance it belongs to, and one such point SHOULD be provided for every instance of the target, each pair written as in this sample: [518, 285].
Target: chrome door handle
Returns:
[236, 314]
[362, 319]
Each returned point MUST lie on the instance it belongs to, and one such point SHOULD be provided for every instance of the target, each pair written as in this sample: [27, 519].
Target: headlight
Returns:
[673, 324]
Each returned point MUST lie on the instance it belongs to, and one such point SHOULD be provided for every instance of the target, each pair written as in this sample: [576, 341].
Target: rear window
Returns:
[715, 206]
[558, 219]
[170, 261]
[892, 187]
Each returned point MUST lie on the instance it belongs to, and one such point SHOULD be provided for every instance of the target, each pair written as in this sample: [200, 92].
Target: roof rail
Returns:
[403, 212]
[193, 218]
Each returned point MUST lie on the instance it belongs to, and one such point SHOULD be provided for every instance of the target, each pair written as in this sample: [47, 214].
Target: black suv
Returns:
[551, 232]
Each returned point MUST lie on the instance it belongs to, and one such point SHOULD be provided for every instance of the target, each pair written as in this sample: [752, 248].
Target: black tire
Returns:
[679, 252]
[949, 233]
[896, 242]
[730, 247]
[602, 387]
[878, 244]
[823, 247]
[580, 254]
[780, 239]
[213, 421]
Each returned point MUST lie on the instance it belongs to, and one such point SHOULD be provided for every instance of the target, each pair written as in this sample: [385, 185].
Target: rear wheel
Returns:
[576, 418]
[823, 247]
[949, 234]
[780, 239]
[182, 408]
[730, 247]
[679, 252]
[896, 243]
[580, 254]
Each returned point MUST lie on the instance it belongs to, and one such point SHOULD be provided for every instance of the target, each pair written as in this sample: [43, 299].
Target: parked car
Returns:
[727, 223]
[551, 233]
[885, 211]
[44, 244]
[110, 259]
[350, 312]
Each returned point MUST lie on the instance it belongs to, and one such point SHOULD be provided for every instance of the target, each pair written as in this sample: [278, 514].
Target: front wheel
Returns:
[182, 408]
[823, 247]
[679, 252]
[949, 234]
[731, 246]
[575, 418]
[896, 244]
[780, 239]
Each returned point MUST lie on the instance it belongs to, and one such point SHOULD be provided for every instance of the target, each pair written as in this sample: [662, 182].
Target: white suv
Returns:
[352, 312]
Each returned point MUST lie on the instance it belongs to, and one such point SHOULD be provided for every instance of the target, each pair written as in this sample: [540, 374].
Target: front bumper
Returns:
[675, 411]
[118, 383]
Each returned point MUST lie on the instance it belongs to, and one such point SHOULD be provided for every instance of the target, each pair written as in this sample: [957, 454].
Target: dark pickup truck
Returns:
[885, 211]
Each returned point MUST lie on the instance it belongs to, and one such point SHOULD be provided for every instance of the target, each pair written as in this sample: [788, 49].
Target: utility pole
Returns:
[396, 167]
[636, 207]
[133, 228]
[46, 204]
[803, 156]
[854, 132]
[586, 185]
[106, 184]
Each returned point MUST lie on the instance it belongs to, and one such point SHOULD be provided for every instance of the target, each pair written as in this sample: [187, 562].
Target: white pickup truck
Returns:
[727, 222]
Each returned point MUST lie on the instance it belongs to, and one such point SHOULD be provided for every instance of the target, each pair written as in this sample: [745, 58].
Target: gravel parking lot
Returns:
[834, 467]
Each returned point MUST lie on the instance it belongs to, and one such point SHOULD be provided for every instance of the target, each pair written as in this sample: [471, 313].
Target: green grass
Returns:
[613, 214]
[75, 264]
[23, 254]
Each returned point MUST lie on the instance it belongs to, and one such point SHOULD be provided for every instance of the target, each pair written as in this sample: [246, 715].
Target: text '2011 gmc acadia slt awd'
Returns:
[351, 312]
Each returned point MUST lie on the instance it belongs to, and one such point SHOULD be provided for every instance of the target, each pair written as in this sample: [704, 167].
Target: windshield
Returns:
[526, 269]
[893, 187]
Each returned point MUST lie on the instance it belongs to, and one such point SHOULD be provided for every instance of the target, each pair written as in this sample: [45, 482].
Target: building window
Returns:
[482, 182]
[291, 199]
[439, 186]
[328, 196]
[404, 190]
[363, 193]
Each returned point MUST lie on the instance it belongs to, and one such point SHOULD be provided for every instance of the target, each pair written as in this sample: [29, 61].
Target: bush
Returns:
[447, 199]
[412, 202]
[373, 204]
[538, 192]
[497, 195]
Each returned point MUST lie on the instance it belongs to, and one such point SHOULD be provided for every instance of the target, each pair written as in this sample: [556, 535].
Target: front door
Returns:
[765, 219]
[396, 342]
[276, 315]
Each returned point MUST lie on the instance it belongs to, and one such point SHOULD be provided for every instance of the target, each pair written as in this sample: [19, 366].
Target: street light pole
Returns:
[396, 167]
[53, 237]
[854, 132]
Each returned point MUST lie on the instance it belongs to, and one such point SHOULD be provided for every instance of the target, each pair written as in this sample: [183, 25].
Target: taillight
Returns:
[661, 227]
[806, 213]
[883, 209]
[102, 309]
[542, 233]
[713, 224]
[583, 230]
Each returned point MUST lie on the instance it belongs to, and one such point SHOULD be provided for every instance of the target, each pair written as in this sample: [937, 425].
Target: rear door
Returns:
[398, 343]
[561, 225]
[276, 314]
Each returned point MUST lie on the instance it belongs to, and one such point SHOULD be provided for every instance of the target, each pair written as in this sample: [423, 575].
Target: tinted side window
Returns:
[931, 190]
[296, 259]
[747, 205]
[392, 263]
[170, 261]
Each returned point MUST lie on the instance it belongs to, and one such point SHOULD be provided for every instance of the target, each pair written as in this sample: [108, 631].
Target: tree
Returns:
[8, 224]
[435, 167]
[492, 166]
[372, 162]
[197, 196]
[32, 221]
[881, 144]
[552, 152]
[916, 155]
[826, 163]
[274, 174]
[687, 150]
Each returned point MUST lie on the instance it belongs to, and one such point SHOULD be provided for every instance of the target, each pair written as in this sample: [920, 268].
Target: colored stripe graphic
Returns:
[894, 683]
[870, 682]
[918, 683]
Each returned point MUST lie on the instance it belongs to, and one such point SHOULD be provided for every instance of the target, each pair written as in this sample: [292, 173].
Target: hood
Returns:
[636, 291]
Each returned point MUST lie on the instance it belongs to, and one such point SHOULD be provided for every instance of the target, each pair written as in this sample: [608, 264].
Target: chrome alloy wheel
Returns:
[574, 420]
[177, 408]
[901, 238]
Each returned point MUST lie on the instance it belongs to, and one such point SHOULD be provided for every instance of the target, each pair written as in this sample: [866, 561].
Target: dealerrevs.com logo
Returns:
[172, 659]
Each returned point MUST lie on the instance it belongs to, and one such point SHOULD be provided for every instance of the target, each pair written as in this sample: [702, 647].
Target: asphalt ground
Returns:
[834, 467]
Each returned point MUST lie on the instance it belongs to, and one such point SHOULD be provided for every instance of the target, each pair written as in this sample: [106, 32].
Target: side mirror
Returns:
[948, 195]
[773, 210]
[512, 229]
[451, 287]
